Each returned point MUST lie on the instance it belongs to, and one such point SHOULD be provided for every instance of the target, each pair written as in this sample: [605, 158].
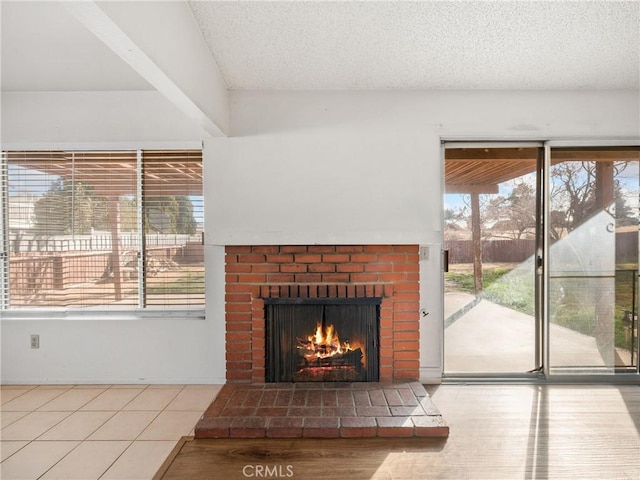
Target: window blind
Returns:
[81, 232]
[173, 206]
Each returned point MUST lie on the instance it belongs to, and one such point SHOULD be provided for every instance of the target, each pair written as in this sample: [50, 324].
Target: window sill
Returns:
[102, 314]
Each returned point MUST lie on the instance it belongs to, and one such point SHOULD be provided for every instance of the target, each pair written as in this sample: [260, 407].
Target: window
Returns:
[102, 230]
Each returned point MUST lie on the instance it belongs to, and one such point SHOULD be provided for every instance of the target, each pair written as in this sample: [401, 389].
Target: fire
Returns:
[325, 343]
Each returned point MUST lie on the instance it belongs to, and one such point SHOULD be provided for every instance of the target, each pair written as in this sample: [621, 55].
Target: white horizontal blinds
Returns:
[4, 233]
[73, 231]
[71, 228]
[173, 209]
[36, 242]
[105, 208]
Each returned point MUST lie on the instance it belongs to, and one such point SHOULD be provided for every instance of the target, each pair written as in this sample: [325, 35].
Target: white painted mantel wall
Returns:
[297, 168]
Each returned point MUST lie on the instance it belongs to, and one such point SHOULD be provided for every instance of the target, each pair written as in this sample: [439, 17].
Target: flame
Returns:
[325, 343]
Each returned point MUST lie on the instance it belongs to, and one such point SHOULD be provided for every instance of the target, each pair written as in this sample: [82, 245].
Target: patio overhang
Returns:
[113, 174]
[481, 170]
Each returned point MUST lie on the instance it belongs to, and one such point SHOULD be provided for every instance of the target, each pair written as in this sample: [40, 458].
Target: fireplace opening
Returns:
[322, 340]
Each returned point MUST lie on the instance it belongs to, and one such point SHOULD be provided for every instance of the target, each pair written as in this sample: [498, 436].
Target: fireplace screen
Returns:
[322, 341]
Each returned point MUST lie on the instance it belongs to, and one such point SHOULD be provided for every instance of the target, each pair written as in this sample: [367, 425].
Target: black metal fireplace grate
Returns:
[322, 340]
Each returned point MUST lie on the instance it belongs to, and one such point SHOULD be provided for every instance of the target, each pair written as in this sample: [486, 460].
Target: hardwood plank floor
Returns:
[496, 432]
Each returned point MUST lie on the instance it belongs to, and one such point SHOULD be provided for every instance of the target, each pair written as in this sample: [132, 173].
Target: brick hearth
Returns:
[322, 410]
[396, 406]
[255, 273]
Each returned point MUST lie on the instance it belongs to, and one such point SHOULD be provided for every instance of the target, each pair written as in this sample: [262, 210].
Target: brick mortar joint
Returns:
[336, 290]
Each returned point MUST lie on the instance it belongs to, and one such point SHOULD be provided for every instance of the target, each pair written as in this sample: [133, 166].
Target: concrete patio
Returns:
[489, 338]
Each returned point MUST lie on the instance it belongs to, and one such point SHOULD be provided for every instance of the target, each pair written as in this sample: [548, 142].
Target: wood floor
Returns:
[496, 432]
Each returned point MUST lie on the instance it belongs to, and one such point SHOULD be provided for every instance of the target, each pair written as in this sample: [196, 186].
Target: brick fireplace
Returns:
[255, 274]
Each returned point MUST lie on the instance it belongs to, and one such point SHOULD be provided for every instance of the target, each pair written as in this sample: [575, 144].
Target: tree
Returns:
[70, 208]
[513, 216]
[573, 202]
[455, 217]
[573, 196]
[572, 192]
[186, 221]
[624, 213]
[128, 214]
[170, 214]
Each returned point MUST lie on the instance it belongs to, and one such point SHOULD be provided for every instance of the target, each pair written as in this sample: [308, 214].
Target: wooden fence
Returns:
[515, 251]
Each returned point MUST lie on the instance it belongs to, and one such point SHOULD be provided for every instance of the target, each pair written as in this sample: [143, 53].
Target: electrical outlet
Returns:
[35, 341]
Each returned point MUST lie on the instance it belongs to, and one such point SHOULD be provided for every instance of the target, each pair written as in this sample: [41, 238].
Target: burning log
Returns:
[325, 343]
[349, 358]
[325, 358]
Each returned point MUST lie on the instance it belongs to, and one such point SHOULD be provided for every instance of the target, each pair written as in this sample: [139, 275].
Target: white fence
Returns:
[19, 242]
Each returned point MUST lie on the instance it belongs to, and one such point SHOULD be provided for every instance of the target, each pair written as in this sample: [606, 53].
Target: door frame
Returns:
[615, 377]
[542, 372]
[536, 372]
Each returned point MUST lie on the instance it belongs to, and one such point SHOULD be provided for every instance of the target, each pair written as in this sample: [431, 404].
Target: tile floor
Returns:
[85, 432]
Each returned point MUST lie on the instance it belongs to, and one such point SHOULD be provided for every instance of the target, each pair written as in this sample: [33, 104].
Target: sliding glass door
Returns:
[492, 244]
[593, 260]
[541, 260]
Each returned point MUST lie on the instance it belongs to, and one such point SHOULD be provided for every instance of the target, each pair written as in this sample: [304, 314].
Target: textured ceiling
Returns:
[423, 45]
[307, 45]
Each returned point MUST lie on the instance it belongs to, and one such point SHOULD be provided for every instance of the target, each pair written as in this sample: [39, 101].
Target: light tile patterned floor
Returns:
[114, 432]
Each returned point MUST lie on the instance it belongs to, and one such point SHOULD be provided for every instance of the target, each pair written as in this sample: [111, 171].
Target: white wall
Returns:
[349, 167]
[54, 119]
[365, 167]
[339, 167]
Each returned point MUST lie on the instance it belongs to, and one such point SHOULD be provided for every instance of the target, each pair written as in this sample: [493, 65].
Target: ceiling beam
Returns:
[137, 33]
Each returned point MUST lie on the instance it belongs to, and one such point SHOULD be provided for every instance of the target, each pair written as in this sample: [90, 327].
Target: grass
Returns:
[579, 314]
[189, 283]
[576, 312]
[464, 280]
[624, 299]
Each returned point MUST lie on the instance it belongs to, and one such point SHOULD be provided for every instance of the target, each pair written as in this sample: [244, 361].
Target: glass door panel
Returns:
[492, 212]
[593, 260]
